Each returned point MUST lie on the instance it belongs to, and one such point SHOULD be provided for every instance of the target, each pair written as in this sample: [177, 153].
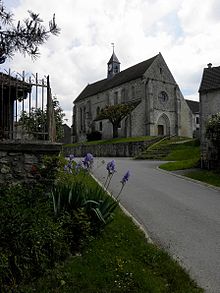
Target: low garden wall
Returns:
[19, 161]
[125, 149]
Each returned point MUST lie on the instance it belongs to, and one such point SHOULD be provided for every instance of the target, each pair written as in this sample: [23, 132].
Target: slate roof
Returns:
[193, 105]
[124, 76]
[113, 59]
[210, 79]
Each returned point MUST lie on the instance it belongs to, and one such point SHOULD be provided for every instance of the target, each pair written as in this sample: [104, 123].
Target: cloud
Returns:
[184, 31]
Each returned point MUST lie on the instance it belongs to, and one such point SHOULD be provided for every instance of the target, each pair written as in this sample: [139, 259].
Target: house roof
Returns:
[9, 81]
[193, 105]
[210, 79]
[124, 76]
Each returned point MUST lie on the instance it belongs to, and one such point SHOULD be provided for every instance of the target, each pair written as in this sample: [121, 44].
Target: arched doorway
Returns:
[163, 125]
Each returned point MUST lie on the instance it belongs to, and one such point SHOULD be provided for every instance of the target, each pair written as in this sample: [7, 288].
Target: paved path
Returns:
[180, 215]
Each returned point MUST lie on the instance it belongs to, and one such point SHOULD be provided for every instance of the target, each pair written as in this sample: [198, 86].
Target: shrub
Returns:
[30, 240]
[77, 227]
[95, 135]
[213, 129]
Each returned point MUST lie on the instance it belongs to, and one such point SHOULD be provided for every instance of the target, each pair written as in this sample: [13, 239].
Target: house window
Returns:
[116, 98]
[197, 120]
[161, 70]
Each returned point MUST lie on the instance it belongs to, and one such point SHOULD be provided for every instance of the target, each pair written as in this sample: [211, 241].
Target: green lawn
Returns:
[184, 156]
[113, 140]
[180, 165]
[118, 260]
[210, 177]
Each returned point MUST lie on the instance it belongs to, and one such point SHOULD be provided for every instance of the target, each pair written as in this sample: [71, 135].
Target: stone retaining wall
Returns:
[18, 161]
[125, 149]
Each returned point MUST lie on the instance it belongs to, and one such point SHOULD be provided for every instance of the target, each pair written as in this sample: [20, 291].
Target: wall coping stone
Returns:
[30, 147]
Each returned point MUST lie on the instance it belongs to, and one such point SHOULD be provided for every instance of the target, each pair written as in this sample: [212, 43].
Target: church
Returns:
[161, 108]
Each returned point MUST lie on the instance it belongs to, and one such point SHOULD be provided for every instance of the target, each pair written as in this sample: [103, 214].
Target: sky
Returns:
[186, 32]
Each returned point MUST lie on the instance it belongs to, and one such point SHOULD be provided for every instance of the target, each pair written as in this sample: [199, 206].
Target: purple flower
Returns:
[68, 168]
[69, 165]
[71, 157]
[89, 157]
[125, 178]
[88, 160]
[78, 167]
[111, 167]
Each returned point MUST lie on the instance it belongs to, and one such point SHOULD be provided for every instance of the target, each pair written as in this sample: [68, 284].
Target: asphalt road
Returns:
[180, 215]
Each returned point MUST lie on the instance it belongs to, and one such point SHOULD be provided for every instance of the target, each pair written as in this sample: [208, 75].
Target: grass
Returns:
[180, 165]
[185, 155]
[112, 141]
[184, 152]
[210, 177]
[118, 260]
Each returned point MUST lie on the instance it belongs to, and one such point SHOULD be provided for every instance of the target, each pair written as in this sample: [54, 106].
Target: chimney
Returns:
[209, 65]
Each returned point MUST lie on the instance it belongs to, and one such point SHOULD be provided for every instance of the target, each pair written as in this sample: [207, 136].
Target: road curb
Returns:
[189, 179]
[127, 213]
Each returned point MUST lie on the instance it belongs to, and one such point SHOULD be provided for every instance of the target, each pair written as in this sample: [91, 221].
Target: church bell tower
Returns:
[113, 65]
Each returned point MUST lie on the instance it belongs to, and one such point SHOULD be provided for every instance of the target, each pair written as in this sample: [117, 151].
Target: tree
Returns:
[24, 37]
[115, 114]
[36, 122]
[213, 129]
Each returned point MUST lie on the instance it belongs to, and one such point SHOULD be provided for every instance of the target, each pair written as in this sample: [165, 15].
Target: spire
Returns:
[113, 64]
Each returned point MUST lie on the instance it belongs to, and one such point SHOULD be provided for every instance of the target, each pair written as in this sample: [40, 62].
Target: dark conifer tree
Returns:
[24, 36]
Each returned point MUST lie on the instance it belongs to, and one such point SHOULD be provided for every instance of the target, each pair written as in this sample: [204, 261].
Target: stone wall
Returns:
[19, 161]
[128, 149]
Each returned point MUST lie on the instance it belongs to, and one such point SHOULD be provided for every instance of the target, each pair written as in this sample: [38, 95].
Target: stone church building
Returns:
[161, 108]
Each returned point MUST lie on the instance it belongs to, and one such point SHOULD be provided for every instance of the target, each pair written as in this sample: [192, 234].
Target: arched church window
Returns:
[97, 111]
[116, 98]
[107, 99]
[123, 95]
[84, 119]
[81, 118]
[100, 126]
[163, 97]
[133, 92]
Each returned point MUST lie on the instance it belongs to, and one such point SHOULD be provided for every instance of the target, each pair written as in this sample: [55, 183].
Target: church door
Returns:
[160, 130]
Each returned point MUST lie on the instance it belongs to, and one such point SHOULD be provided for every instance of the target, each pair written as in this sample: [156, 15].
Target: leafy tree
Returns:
[115, 114]
[24, 37]
[213, 129]
[36, 121]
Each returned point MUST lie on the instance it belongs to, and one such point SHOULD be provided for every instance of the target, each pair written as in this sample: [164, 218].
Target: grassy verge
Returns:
[210, 177]
[180, 165]
[110, 141]
[119, 260]
[184, 156]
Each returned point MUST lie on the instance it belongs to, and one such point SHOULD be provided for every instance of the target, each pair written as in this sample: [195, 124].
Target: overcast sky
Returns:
[186, 32]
